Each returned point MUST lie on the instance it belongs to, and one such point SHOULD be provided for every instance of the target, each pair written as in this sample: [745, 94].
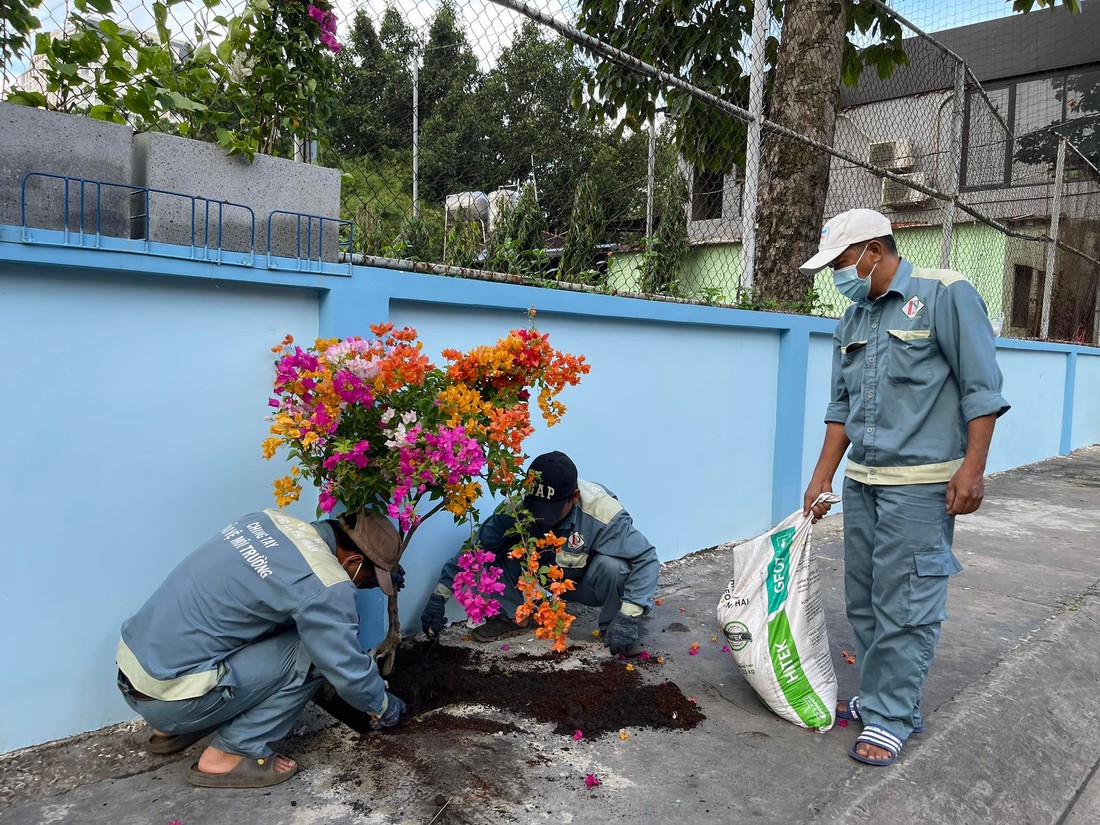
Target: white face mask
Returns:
[849, 284]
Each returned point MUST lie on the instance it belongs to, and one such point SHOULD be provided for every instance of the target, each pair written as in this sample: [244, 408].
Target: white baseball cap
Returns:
[842, 231]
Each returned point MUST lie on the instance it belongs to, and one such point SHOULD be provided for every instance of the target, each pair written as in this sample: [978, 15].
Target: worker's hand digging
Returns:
[622, 636]
[432, 618]
[395, 709]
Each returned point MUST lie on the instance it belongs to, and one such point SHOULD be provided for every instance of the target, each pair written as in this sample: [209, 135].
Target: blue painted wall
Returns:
[137, 389]
[1085, 427]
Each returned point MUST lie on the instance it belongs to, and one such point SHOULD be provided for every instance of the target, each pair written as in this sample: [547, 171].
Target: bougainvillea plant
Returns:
[375, 425]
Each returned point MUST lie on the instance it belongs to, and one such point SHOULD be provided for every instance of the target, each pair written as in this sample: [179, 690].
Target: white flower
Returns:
[409, 417]
[388, 415]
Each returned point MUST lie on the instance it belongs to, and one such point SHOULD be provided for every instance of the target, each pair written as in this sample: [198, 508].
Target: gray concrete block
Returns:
[34, 140]
[268, 184]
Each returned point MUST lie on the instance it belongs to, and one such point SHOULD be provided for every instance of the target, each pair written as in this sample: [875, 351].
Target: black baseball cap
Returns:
[552, 480]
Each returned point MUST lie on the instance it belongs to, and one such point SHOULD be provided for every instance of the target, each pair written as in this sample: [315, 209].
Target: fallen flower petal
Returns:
[577, 736]
[725, 648]
[505, 647]
[644, 655]
[694, 645]
[624, 735]
[596, 633]
[660, 660]
[844, 654]
[683, 609]
[714, 638]
[693, 652]
[842, 722]
[630, 667]
[591, 781]
[657, 601]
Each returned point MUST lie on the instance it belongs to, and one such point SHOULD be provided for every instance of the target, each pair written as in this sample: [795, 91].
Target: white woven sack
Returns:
[773, 618]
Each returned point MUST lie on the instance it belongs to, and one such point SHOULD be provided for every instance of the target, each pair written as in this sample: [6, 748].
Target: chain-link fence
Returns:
[686, 150]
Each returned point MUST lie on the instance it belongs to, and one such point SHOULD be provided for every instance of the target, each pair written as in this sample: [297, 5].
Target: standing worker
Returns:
[916, 392]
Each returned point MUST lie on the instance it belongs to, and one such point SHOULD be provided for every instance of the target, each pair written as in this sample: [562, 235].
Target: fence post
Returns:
[651, 174]
[416, 133]
[752, 147]
[954, 167]
[1052, 244]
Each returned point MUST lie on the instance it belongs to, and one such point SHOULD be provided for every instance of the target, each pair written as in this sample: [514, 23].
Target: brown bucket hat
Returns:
[378, 540]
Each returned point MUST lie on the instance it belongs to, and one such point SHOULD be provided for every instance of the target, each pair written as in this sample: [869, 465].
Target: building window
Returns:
[706, 195]
[1027, 298]
[1036, 111]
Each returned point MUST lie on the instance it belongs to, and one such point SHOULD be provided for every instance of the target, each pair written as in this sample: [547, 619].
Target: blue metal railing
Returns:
[201, 209]
[85, 197]
[344, 242]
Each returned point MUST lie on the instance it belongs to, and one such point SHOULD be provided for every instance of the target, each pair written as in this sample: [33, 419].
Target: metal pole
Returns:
[954, 166]
[416, 134]
[1052, 244]
[651, 174]
[752, 149]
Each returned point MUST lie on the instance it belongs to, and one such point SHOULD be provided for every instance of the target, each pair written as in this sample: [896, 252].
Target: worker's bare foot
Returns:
[214, 761]
[871, 751]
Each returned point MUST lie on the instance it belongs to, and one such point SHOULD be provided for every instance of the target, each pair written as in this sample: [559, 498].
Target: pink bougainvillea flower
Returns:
[577, 736]
[694, 650]
[725, 648]
[842, 722]
[644, 655]
[591, 781]
[505, 647]
[683, 609]
[175, 822]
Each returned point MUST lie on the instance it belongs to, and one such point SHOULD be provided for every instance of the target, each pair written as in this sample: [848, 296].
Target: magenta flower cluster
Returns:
[327, 21]
[447, 456]
[474, 580]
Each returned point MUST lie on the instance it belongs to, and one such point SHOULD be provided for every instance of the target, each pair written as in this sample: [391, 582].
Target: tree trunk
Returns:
[794, 178]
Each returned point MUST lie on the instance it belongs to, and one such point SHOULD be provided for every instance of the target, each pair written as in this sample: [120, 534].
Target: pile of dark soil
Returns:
[595, 700]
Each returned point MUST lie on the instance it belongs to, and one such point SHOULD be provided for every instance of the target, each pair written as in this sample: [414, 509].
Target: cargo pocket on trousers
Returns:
[928, 586]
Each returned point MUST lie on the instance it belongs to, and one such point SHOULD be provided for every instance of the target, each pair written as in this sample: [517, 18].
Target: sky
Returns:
[490, 28]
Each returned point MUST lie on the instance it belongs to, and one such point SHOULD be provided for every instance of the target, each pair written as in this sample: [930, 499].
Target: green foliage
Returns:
[587, 228]
[17, 24]
[252, 83]
[667, 248]
[516, 244]
[464, 241]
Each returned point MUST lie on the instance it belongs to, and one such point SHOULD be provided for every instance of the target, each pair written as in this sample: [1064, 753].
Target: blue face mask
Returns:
[849, 284]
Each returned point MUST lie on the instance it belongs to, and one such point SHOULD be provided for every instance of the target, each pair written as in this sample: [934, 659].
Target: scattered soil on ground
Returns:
[596, 700]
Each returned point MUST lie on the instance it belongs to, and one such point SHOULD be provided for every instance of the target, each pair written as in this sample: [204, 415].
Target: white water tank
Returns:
[500, 202]
[468, 206]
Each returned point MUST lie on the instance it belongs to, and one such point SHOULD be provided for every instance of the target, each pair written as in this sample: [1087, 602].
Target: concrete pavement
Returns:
[1011, 707]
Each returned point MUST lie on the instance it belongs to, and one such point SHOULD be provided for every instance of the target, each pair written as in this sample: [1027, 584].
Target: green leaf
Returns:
[22, 98]
[160, 16]
[180, 101]
[109, 27]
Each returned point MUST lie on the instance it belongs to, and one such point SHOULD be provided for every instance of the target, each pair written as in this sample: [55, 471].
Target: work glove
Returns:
[395, 708]
[432, 618]
[622, 635]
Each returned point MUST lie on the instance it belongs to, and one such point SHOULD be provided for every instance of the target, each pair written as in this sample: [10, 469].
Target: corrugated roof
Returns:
[1043, 40]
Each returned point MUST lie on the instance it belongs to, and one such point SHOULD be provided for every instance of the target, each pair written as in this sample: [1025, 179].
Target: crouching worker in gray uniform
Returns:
[614, 566]
[238, 637]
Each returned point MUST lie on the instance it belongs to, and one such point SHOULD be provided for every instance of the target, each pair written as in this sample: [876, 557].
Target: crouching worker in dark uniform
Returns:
[239, 636]
[614, 566]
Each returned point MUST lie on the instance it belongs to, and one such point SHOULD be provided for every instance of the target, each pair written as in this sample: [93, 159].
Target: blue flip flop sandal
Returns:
[880, 738]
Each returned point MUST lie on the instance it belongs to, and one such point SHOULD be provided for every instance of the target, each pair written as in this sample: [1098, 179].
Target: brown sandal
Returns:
[250, 773]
